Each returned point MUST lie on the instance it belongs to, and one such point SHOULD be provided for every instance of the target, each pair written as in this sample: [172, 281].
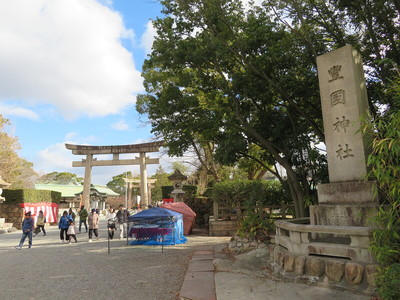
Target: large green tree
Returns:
[239, 77]
[60, 178]
[161, 180]
[118, 184]
[240, 74]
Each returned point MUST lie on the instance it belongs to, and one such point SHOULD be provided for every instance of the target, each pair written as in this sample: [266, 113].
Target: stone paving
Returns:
[244, 277]
[214, 274]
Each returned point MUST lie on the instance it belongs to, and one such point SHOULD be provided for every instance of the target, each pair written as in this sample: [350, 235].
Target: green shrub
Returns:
[256, 226]
[249, 193]
[384, 164]
[190, 190]
[166, 191]
[389, 282]
[208, 193]
[31, 196]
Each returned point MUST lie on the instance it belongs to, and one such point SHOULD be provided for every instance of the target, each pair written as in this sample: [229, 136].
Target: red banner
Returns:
[50, 210]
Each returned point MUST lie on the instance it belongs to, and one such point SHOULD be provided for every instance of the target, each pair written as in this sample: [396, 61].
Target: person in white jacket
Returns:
[72, 230]
[111, 215]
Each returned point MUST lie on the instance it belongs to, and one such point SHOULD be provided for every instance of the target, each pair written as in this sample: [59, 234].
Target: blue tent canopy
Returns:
[156, 226]
[154, 213]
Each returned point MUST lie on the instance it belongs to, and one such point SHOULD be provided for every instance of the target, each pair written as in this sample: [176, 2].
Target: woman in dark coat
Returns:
[63, 225]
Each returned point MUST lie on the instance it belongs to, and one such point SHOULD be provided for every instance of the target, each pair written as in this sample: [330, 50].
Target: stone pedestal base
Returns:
[335, 273]
[350, 192]
[342, 215]
[344, 204]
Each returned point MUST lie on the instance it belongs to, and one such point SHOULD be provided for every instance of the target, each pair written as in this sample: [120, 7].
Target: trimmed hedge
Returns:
[31, 196]
[249, 192]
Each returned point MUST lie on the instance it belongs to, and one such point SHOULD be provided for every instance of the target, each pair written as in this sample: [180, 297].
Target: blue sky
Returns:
[69, 73]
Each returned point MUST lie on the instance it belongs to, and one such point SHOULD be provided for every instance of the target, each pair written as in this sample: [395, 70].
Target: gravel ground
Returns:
[84, 270]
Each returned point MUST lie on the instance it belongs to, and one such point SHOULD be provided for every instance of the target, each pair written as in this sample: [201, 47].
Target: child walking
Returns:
[41, 221]
[72, 231]
[27, 228]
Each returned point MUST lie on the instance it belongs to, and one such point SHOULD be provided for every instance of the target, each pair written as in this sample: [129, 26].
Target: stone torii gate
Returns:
[115, 150]
[136, 183]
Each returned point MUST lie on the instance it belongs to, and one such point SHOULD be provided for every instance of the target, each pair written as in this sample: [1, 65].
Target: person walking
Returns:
[83, 214]
[27, 228]
[93, 221]
[111, 222]
[40, 222]
[122, 219]
[72, 231]
[71, 214]
[63, 225]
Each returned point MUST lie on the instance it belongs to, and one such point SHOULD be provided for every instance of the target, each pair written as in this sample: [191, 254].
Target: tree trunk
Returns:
[297, 194]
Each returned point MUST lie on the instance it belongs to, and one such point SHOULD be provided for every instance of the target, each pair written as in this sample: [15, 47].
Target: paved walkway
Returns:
[243, 278]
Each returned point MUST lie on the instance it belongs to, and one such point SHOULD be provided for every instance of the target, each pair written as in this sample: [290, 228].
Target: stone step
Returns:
[8, 230]
[6, 225]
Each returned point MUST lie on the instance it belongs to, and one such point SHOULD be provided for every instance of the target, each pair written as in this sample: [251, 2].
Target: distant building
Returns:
[71, 195]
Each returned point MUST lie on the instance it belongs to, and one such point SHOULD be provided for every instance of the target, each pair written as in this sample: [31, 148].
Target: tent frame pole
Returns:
[162, 235]
[126, 231]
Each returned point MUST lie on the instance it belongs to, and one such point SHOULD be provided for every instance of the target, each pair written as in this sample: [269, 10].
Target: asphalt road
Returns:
[83, 270]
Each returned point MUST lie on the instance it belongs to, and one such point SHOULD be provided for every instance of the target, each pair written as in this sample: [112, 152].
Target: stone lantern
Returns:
[3, 184]
[177, 179]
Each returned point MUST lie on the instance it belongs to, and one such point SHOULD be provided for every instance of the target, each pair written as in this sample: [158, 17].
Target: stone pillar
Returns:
[143, 179]
[129, 191]
[149, 192]
[87, 181]
[347, 200]
[150, 184]
[344, 100]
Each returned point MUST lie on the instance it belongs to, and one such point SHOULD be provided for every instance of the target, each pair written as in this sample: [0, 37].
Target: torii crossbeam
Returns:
[115, 150]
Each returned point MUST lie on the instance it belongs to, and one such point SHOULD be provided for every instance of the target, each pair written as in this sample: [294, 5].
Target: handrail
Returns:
[290, 225]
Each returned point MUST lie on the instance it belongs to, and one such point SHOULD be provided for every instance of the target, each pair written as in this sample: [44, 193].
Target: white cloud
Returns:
[14, 110]
[121, 125]
[146, 41]
[56, 157]
[67, 53]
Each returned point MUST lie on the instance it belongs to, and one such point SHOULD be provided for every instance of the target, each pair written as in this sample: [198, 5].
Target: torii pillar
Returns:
[137, 183]
[116, 150]
[144, 196]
